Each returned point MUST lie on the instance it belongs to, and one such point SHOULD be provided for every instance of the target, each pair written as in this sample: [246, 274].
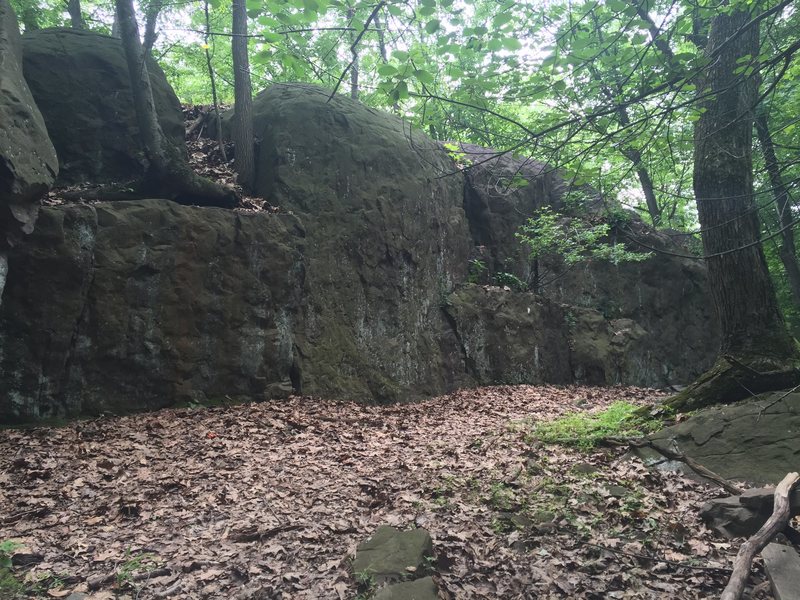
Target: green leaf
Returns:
[400, 55]
[272, 38]
[510, 43]
[426, 11]
[501, 19]
[400, 91]
[423, 76]
[432, 26]
[494, 45]
[387, 70]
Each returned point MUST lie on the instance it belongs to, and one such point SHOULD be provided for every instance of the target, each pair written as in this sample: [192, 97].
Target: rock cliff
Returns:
[357, 289]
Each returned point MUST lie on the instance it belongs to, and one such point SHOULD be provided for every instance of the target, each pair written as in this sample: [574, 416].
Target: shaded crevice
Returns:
[295, 377]
[465, 359]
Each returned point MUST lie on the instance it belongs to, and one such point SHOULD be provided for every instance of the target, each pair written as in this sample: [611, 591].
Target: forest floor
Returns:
[270, 500]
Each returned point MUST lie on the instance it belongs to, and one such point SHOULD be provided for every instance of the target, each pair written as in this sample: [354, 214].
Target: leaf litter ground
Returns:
[270, 500]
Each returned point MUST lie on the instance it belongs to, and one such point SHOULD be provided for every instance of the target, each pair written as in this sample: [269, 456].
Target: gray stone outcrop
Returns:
[28, 163]
[755, 440]
[357, 289]
[80, 82]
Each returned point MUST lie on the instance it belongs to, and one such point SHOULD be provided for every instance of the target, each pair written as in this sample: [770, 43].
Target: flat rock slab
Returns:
[421, 589]
[783, 569]
[754, 440]
[742, 516]
[392, 555]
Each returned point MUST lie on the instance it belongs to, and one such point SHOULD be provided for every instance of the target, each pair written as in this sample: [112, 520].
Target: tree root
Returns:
[182, 185]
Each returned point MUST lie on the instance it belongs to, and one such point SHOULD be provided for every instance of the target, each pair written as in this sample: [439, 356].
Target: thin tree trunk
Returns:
[75, 16]
[150, 34]
[149, 128]
[753, 332]
[168, 174]
[631, 153]
[351, 13]
[788, 251]
[244, 157]
[217, 119]
[381, 39]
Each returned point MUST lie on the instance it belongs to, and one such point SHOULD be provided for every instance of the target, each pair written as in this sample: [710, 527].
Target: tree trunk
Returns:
[151, 18]
[762, 354]
[351, 13]
[75, 16]
[244, 153]
[213, 80]
[788, 252]
[168, 174]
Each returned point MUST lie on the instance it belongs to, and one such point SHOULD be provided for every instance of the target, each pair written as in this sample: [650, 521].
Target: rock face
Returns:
[142, 311]
[754, 440]
[28, 161]
[384, 242]
[80, 82]
[491, 324]
[620, 312]
[356, 290]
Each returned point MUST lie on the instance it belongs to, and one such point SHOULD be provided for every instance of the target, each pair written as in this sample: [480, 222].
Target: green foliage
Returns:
[10, 586]
[510, 280]
[132, 565]
[365, 580]
[7, 548]
[586, 430]
[575, 240]
[477, 271]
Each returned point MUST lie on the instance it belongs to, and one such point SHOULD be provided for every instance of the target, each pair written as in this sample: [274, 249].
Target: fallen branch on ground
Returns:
[776, 523]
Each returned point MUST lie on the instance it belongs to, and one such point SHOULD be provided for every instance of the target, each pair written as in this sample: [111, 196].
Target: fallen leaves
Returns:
[274, 503]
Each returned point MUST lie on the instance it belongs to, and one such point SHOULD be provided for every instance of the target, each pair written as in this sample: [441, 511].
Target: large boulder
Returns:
[80, 82]
[142, 304]
[386, 241]
[28, 163]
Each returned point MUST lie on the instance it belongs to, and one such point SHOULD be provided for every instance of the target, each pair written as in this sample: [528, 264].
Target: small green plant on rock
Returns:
[510, 280]
[10, 586]
[575, 240]
[477, 271]
[365, 580]
[585, 430]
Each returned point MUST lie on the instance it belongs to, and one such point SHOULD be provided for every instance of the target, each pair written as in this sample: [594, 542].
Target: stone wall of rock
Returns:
[138, 305]
[357, 289]
[646, 322]
[80, 82]
[28, 163]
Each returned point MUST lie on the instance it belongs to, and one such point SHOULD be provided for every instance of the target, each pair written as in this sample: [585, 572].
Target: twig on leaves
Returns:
[657, 559]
